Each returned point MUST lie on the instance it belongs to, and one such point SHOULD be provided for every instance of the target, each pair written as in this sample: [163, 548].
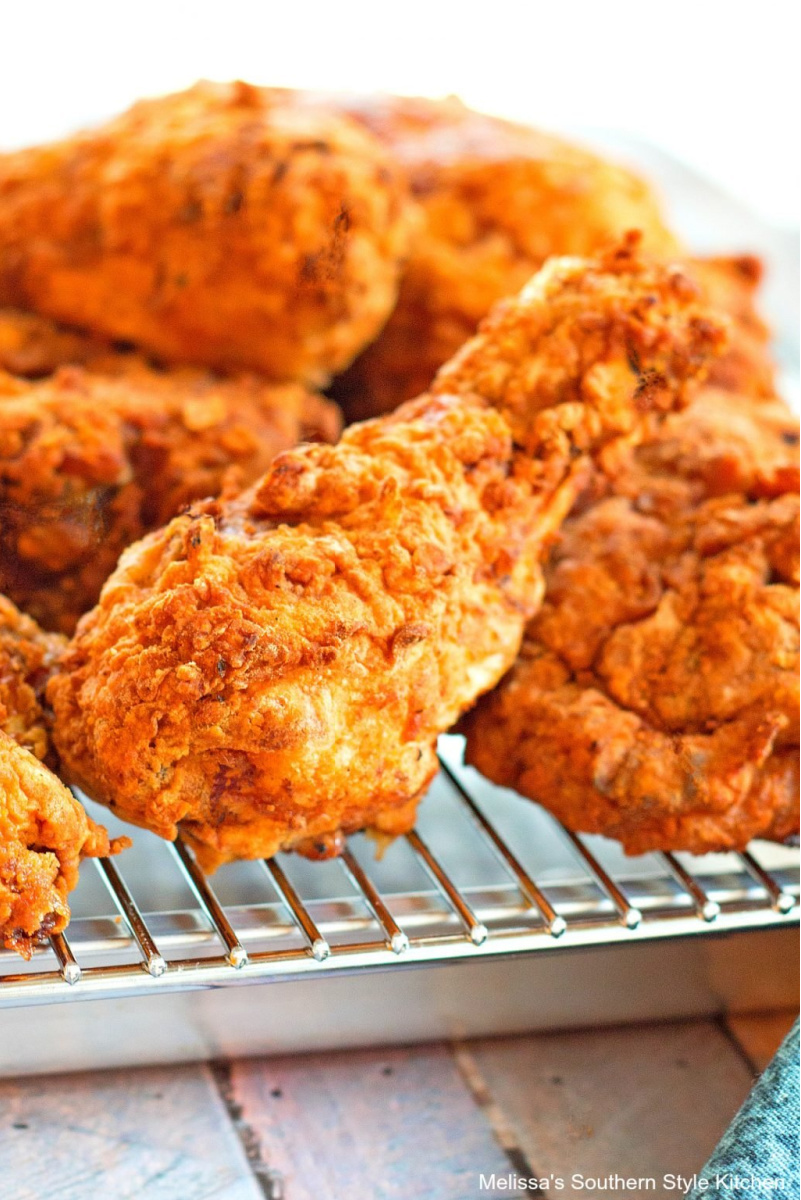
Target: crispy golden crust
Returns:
[32, 345]
[730, 286]
[269, 672]
[497, 199]
[28, 658]
[44, 834]
[89, 462]
[656, 696]
[226, 225]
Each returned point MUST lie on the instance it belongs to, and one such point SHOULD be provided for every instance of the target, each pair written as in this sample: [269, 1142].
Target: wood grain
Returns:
[421, 1123]
[641, 1101]
[393, 1124]
[161, 1133]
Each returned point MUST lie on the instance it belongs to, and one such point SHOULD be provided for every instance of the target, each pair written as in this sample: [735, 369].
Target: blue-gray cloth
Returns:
[759, 1153]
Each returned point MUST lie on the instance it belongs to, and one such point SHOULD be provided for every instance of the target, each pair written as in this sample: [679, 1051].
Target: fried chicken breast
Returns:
[271, 672]
[44, 831]
[89, 462]
[497, 199]
[228, 226]
[655, 699]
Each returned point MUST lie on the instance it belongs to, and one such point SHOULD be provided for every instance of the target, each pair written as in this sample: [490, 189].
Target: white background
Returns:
[711, 81]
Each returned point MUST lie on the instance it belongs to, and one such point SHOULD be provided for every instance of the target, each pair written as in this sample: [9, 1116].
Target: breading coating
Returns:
[28, 658]
[44, 834]
[44, 831]
[89, 462]
[273, 671]
[32, 345]
[228, 226]
[497, 199]
[730, 286]
[655, 699]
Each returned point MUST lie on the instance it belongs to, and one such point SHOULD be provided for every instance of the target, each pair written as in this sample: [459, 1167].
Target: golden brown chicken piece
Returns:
[655, 699]
[497, 199]
[44, 832]
[33, 346]
[271, 672]
[89, 462]
[28, 658]
[227, 225]
[730, 286]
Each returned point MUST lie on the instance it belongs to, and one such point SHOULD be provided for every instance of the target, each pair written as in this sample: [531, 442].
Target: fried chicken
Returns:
[730, 286]
[655, 699]
[44, 834]
[33, 346]
[89, 462]
[28, 657]
[228, 226]
[272, 672]
[497, 199]
[44, 831]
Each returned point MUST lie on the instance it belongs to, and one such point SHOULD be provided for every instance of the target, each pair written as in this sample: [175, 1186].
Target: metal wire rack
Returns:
[483, 874]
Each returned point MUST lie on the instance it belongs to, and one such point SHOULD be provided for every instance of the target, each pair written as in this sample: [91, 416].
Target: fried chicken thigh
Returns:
[44, 831]
[228, 226]
[497, 199]
[273, 671]
[655, 699]
[89, 462]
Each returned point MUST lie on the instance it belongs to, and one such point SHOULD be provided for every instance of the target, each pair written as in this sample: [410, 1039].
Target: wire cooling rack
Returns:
[484, 873]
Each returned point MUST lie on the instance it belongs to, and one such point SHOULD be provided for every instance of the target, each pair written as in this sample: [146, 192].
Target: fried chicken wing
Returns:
[228, 226]
[497, 199]
[44, 831]
[655, 699]
[270, 672]
[89, 462]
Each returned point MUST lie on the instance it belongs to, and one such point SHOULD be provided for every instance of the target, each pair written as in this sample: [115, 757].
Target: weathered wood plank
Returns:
[393, 1124]
[760, 1034]
[643, 1101]
[160, 1133]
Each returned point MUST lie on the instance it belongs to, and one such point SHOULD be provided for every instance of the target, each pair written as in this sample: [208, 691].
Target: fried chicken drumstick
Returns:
[227, 225]
[655, 699]
[272, 672]
[44, 831]
[89, 462]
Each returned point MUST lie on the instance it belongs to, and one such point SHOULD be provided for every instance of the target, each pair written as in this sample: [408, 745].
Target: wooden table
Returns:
[420, 1122]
